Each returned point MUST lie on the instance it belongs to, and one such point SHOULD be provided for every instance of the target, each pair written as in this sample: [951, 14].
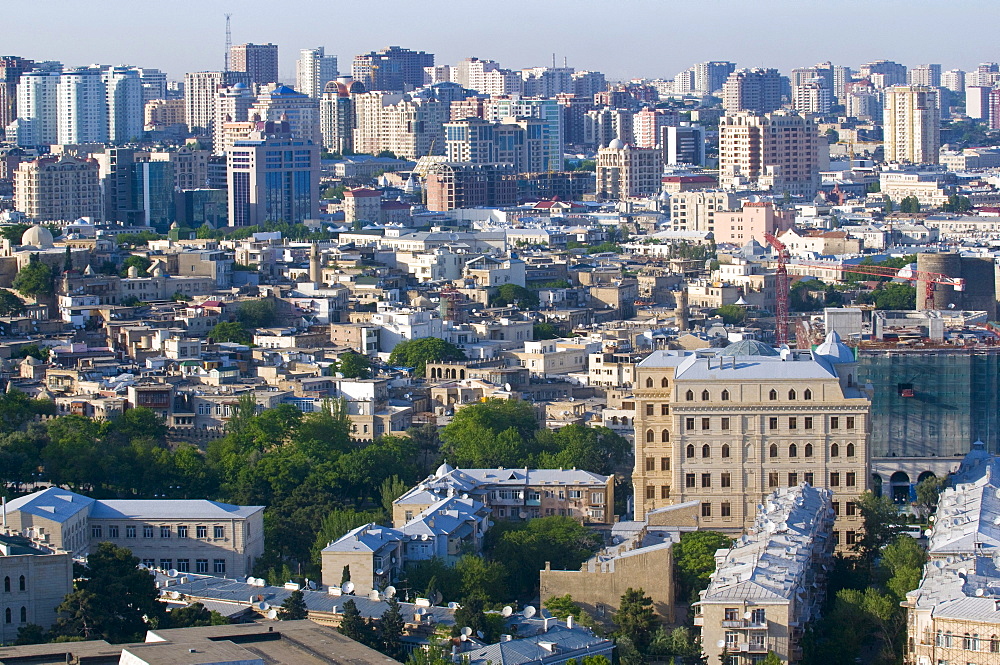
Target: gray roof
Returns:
[169, 509]
[366, 538]
[566, 641]
[53, 503]
[748, 347]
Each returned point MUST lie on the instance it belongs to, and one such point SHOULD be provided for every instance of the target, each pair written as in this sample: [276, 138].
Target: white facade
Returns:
[81, 107]
[313, 70]
[124, 90]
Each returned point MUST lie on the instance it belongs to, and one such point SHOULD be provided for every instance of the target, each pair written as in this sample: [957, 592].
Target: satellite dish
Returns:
[311, 584]
[506, 387]
[379, 571]
[390, 591]
[507, 610]
[529, 611]
[172, 572]
[374, 595]
[262, 606]
[437, 598]
[463, 637]
[479, 634]
[348, 587]
[272, 614]
[453, 605]
[979, 592]
[720, 643]
[142, 566]
[175, 595]
[467, 631]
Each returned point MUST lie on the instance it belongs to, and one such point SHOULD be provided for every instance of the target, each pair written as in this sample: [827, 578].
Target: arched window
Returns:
[6, 584]
[939, 639]
[650, 436]
[793, 450]
[808, 394]
[705, 396]
[24, 614]
[850, 450]
[649, 382]
[773, 450]
[791, 394]
[773, 395]
[706, 451]
[21, 583]
[967, 642]
[663, 382]
[624, 420]
[725, 450]
[614, 420]
[689, 452]
[809, 450]
[725, 396]
[835, 450]
[994, 644]
[689, 395]
[947, 639]
[975, 641]
[6, 615]
[665, 436]
[850, 380]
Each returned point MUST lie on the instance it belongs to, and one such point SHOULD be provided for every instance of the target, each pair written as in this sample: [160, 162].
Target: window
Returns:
[689, 451]
[850, 479]
[791, 394]
[650, 437]
[809, 477]
[850, 450]
[664, 409]
[22, 583]
[689, 396]
[164, 532]
[836, 507]
[166, 564]
[706, 451]
[664, 464]
[793, 450]
[689, 480]
[724, 424]
[726, 509]
[834, 422]
[706, 423]
[650, 464]
[725, 396]
[758, 616]
[772, 479]
[129, 531]
[6, 584]
[731, 614]
[201, 565]
[7, 616]
[706, 480]
[649, 409]
[773, 450]
[706, 509]
[664, 383]
[851, 508]
[994, 644]
[793, 423]
[149, 563]
[689, 424]
[24, 614]
[836, 537]
[650, 491]
[112, 531]
[182, 531]
[808, 394]
[184, 565]
[835, 450]
[201, 531]
[665, 436]
[850, 422]
[772, 423]
[725, 480]
[649, 382]
[851, 537]
[834, 479]
[725, 449]
[793, 479]
[665, 491]
[705, 396]
[95, 531]
[808, 422]
[773, 395]
[147, 531]
[809, 450]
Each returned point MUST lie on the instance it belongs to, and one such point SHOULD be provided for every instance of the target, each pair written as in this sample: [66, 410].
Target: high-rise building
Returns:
[486, 77]
[929, 75]
[273, 177]
[812, 96]
[313, 70]
[232, 104]
[547, 110]
[912, 124]
[709, 77]
[82, 111]
[123, 87]
[37, 121]
[776, 151]
[604, 125]
[648, 123]
[729, 428]
[546, 81]
[201, 93]
[625, 172]
[684, 83]
[575, 109]
[391, 69]
[11, 68]
[451, 185]
[152, 193]
[756, 90]
[954, 80]
[58, 189]
[281, 103]
[514, 141]
[994, 104]
[684, 144]
[884, 73]
[986, 75]
[863, 101]
[336, 115]
[259, 61]
[841, 77]
[154, 84]
[977, 101]
[162, 113]
[588, 84]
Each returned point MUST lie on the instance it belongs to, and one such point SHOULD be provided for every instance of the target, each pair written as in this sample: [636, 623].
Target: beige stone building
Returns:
[726, 428]
[777, 151]
[34, 579]
[912, 124]
[624, 171]
[58, 188]
[696, 210]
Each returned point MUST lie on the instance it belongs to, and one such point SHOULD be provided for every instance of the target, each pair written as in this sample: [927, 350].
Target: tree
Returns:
[546, 331]
[390, 630]
[635, 618]
[259, 313]
[35, 279]
[509, 294]
[391, 489]
[338, 522]
[909, 204]
[294, 607]
[694, 560]
[605, 247]
[732, 315]
[140, 263]
[928, 491]
[345, 575]
[904, 560]
[194, 614]
[354, 366]
[595, 449]
[886, 204]
[771, 659]
[881, 524]
[353, 625]
[832, 136]
[230, 331]
[31, 633]
[33, 350]
[10, 304]
[490, 434]
[416, 353]
[562, 606]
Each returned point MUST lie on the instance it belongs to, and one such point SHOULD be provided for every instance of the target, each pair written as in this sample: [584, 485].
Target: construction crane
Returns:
[781, 286]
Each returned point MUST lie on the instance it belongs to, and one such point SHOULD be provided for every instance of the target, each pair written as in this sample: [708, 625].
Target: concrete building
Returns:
[777, 151]
[200, 94]
[232, 105]
[313, 70]
[884, 73]
[954, 80]
[684, 144]
[392, 69]
[549, 111]
[696, 210]
[58, 188]
[977, 102]
[282, 104]
[123, 89]
[625, 172]
[771, 583]
[408, 127]
[35, 580]
[37, 121]
[726, 428]
[752, 222]
[82, 107]
[912, 124]
[336, 115]
[11, 69]
[754, 90]
[259, 61]
[362, 205]
[514, 141]
[710, 77]
[451, 185]
[162, 113]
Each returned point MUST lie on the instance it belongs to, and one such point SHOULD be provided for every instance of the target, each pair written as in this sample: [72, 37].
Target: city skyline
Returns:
[522, 34]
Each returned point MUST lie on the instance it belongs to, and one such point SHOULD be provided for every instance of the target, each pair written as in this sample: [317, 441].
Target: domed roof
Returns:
[37, 236]
[422, 301]
[748, 347]
[240, 86]
[616, 144]
[834, 350]
[443, 470]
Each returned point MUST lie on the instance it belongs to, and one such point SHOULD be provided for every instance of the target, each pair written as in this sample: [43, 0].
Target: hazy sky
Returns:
[622, 38]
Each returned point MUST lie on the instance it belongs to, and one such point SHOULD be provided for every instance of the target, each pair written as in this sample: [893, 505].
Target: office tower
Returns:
[154, 84]
[928, 75]
[884, 73]
[648, 123]
[232, 104]
[115, 175]
[776, 151]
[912, 124]
[58, 189]
[336, 115]
[709, 77]
[313, 70]
[200, 95]
[152, 195]
[812, 96]
[486, 77]
[123, 87]
[81, 106]
[259, 61]
[263, 188]
[977, 101]
[546, 81]
[755, 90]
[954, 80]
[625, 172]
[409, 128]
[281, 103]
[588, 84]
[514, 141]
[683, 145]
[547, 110]
[189, 166]
[11, 68]
[727, 429]
[391, 69]
[37, 118]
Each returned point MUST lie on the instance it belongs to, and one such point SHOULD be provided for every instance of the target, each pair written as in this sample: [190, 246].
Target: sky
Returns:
[622, 38]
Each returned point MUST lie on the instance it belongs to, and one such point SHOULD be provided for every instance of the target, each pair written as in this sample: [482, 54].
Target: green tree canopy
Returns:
[10, 304]
[140, 263]
[416, 353]
[694, 560]
[635, 618]
[36, 279]
[490, 434]
[194, 614]
[508, 294]
[230, 331]
[390, 631]
[882, 524]
[294, 607]
[260, 313]
[354, 366]
[733, 315]
[594, 449]
[353, 625]
[546, 331]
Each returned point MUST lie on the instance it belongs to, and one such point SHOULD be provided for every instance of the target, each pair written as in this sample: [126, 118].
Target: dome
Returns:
[749, 347]
[834, 350]
[443, 470]
[421, 301]
[240, 86]
[37, 236]
[616, 144]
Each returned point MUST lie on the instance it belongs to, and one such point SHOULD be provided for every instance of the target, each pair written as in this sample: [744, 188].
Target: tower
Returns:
[315, 275]
[681, 310]
[912, 124]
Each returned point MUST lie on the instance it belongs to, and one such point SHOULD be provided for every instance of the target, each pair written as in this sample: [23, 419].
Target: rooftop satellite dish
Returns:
[463, 637]
[479, 634]
[390, 591]
[142, 566]
[529, 611]
[172, 572]
[980, 592]
[262, 606]
[507, 610]
[272, 614]
[436, 600]
[379, 571]
[311, 584]
[453, 605]
[467, 631]
[720, 643]
[175, 595]
[374, 595]
[348, 587]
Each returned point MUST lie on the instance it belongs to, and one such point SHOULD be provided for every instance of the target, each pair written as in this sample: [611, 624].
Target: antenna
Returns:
[229, 41]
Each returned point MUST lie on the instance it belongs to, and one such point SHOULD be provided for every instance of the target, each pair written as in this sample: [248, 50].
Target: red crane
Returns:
[781, 286]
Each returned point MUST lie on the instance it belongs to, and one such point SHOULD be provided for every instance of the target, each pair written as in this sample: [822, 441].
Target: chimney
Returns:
[569, 621]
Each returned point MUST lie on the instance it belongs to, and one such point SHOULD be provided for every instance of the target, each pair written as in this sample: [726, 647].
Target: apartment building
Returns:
[58, 188]
[35, 580]
[726, 428]
[625, 172]
[777, 151]
[912, 124]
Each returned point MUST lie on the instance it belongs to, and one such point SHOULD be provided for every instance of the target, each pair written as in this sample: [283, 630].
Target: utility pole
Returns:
[229, 42]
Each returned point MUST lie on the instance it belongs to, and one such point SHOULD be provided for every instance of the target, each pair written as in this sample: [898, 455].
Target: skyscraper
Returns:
[954, 80]
[912, 124]
[11, 68]
[259, 61]
[756, 90]
[313, 70]
[81, 106]
[776, 151]
[336, 115]
[391, 69]
[709, 77]
[123, 88]
[884, 73]
[37, 120]
[925, 75]
[232, 104]
[200, 95]
[547, 110]
[281, 103]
